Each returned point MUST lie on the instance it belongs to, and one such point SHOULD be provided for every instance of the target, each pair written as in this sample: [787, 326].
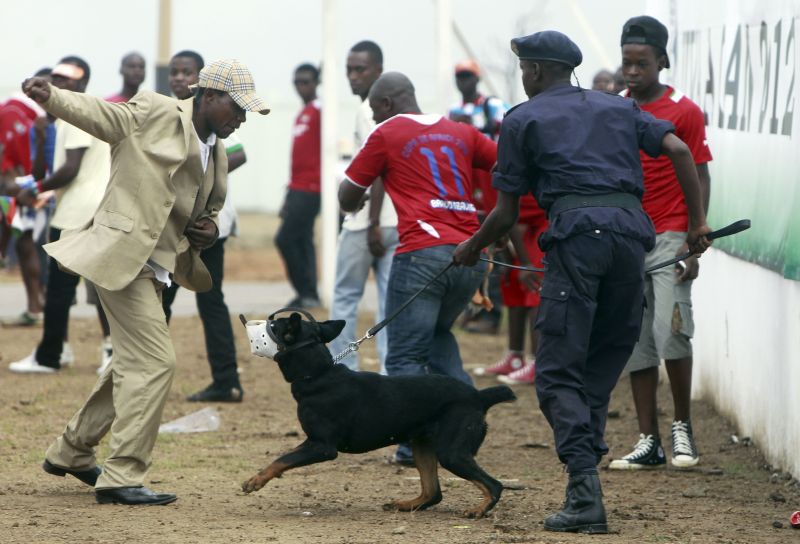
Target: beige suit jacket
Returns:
[149, 137]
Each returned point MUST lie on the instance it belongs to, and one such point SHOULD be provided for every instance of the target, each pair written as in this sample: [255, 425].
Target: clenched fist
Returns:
[37, 88]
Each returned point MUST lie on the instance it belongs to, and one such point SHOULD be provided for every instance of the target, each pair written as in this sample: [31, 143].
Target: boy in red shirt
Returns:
[295, 237]
[426, 164]
[520, 290]
[667, 325]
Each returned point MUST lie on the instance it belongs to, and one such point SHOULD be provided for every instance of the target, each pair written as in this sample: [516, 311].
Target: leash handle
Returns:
[734, 228]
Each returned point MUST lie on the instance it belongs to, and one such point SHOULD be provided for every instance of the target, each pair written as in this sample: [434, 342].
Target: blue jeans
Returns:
[353, 263]
[420, 341]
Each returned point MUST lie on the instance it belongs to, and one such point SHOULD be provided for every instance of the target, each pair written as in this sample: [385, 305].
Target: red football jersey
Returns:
[16, 118]
[306, 161]
[529, 211]
[426, 163]
[663, 198]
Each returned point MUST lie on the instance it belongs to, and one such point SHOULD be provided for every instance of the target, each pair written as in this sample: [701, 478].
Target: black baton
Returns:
[733, 228]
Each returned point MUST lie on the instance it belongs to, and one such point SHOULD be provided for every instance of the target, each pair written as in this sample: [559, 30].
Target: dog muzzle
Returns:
[263, 340]
[261, 343]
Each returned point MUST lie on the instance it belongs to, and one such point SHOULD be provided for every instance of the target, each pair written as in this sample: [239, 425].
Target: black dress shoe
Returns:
[133, 496]
[89, 477]
[213, 393]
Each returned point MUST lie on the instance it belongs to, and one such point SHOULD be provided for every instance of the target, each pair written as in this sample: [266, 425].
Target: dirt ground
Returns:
[733, 496]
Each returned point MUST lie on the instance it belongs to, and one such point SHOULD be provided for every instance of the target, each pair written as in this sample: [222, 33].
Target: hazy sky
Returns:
[273, 36]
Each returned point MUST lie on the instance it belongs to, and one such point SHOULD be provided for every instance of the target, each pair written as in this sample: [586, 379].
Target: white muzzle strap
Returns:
[260, 342]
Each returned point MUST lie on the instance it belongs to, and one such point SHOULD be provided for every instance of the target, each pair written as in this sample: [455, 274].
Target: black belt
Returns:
[610, 200]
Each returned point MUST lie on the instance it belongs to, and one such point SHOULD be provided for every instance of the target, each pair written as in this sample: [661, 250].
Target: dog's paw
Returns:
[400, 506]
[475, 513]
[254, 484]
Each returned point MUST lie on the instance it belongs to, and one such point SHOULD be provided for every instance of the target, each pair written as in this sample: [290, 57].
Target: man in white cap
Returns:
[168, 183]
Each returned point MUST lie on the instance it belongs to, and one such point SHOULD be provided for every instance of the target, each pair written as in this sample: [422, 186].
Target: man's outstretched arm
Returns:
[103, 120]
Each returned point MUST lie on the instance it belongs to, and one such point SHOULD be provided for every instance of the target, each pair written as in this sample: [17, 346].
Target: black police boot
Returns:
[583, 510]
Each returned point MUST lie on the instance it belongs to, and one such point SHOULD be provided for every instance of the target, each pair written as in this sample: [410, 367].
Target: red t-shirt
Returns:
[426, 163]
[663, 198]
[16, 119]
[306, 162]
[116, 98]
[529, 211]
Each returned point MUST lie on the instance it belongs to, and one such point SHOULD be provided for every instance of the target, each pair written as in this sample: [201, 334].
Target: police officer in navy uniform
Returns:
[577, 151]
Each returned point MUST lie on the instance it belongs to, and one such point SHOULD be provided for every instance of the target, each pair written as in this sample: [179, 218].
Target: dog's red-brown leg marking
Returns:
[427, 465]
[307, 453]
[486, 504]
[273, 470]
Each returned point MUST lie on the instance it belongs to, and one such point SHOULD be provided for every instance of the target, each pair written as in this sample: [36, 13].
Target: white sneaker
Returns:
[647, 453]
[106, 355]
[684, 450]
[67, 356]
[29, 365]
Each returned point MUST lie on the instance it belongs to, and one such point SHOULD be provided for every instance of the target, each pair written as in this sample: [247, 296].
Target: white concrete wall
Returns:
[746, 352]
[747, 317]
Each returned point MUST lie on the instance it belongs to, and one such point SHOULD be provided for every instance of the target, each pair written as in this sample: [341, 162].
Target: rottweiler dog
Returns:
[355, 412]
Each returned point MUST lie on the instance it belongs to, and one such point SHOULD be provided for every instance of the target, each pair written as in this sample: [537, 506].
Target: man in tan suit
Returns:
[168, 182]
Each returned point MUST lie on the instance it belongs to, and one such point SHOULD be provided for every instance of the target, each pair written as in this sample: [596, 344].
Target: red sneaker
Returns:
[523, 376]
[508, 364]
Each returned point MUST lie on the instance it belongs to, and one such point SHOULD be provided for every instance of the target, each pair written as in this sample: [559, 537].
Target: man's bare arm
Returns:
[497, 224]
[236, 159]
[350, 196]
[686, 171]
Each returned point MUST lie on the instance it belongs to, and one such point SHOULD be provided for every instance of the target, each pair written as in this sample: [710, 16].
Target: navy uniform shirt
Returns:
[568, 140]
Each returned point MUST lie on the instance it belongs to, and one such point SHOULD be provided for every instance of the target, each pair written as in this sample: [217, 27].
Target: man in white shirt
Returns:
[81, 168]
[369, 236]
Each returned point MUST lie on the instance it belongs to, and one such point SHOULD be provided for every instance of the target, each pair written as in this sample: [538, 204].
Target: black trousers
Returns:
[589, 320]
[61, 288]
[295, 241]
[214, 314]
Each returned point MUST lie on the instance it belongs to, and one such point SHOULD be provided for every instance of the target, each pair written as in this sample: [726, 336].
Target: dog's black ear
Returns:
[331, 329]
[293, 328]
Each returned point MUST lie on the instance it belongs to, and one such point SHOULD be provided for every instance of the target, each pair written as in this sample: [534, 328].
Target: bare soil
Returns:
[733, 496]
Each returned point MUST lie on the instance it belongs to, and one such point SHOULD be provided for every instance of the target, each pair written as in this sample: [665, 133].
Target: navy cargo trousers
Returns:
[589, 319]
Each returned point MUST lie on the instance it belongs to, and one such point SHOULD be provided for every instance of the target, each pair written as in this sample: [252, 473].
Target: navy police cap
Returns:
[548, 45]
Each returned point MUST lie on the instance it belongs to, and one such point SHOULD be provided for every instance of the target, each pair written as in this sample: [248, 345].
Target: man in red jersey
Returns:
[520, 290]
[667, 326]
[426, 164]
[132, 70]
[295, 238]
[17, 116]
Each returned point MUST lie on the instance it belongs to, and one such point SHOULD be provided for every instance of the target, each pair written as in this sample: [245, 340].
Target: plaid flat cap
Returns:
[234, 78]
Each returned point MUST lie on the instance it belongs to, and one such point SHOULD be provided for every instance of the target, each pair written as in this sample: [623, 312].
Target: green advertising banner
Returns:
[744, 77]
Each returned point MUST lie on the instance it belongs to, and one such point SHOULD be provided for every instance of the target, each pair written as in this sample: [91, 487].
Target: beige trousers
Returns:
[129, 397]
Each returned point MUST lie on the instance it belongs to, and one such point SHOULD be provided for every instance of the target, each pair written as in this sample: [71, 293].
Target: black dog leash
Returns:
[353, 346]
[514, 266]
[733, 228]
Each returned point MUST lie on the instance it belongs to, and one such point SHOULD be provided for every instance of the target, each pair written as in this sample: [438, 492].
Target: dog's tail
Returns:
[493, 395]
